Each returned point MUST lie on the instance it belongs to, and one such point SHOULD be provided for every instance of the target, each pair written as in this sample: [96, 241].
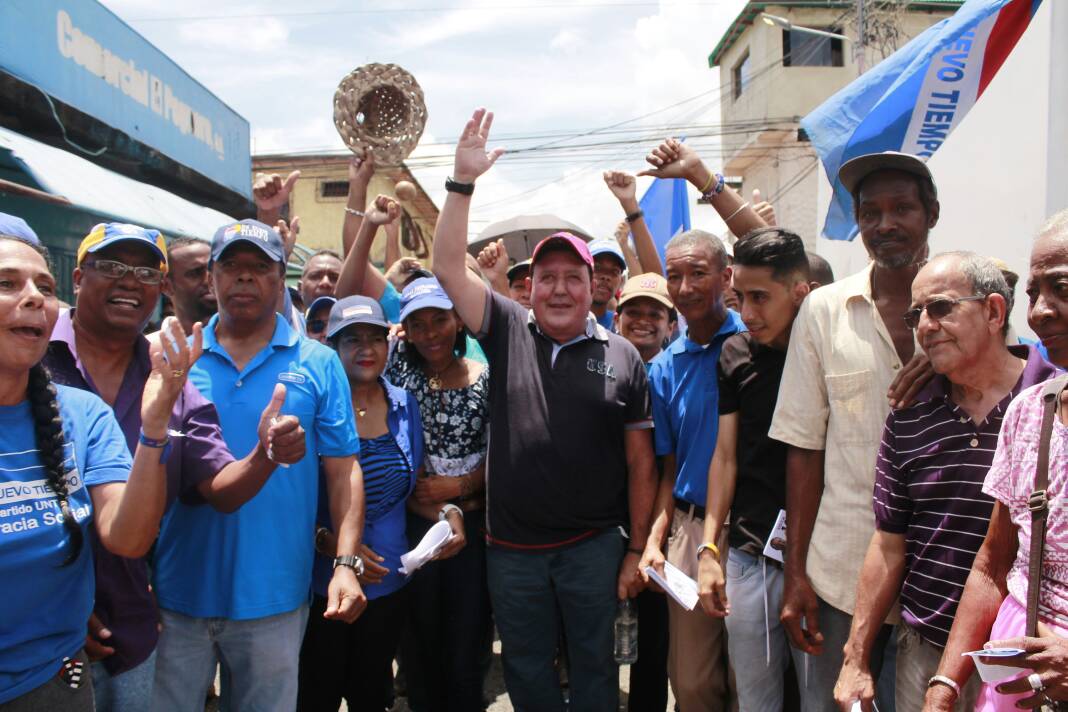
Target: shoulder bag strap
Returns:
[1038, 502]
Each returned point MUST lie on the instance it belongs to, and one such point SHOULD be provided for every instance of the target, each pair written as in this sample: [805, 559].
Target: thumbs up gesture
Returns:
[763, 208]
[281, 435]
[271, 192]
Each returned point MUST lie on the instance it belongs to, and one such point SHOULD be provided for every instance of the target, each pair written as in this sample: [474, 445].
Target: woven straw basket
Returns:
[378, 108]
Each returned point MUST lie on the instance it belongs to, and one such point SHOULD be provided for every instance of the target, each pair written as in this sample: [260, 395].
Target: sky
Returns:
[552, 72]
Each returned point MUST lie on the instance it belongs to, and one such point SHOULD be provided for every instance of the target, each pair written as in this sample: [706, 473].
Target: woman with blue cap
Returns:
[354, 661]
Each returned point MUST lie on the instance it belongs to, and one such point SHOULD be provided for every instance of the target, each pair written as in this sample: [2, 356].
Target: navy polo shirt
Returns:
[257, 561]
[685, 393]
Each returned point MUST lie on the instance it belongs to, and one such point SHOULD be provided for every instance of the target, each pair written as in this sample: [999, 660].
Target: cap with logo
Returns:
[605, 246]
[857, 169]
[649, 285]
[423, 293]
[16, 227]
[566, 239]
[354, 310]
[107, 234]
[253, 232]
[515, 270]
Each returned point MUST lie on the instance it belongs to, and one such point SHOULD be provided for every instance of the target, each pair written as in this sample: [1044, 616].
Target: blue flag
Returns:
[667, 210]
[912, 100]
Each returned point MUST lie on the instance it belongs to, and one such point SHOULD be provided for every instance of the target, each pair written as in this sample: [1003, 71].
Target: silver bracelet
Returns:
[735, 213]
[360, 213]
[444, 513]
[943, 680]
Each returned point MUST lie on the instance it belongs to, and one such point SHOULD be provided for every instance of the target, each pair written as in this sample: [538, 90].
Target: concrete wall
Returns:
[1005, 168]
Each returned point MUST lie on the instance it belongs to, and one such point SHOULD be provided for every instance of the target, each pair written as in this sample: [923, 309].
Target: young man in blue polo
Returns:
[236, 586]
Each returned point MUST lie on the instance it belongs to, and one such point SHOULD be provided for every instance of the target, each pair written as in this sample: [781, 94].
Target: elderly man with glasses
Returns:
[931, 513]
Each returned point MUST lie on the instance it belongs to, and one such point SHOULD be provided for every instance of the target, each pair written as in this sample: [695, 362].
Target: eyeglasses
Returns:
[117, 270]
[317, 325]
[936, 309]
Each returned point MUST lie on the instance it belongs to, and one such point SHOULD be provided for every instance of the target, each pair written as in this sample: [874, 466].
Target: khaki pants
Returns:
[698, 668]
[917, 661]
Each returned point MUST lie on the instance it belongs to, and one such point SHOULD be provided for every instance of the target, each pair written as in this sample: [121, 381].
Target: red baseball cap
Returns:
[576, 244]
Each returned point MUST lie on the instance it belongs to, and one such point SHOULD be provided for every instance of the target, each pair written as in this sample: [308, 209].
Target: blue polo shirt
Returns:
[257, 561]
[685, 391]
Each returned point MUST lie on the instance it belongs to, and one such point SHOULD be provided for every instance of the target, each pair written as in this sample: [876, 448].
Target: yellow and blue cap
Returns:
[106, 234]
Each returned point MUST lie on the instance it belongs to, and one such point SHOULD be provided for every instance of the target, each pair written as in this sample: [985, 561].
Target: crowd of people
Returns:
[864, 477]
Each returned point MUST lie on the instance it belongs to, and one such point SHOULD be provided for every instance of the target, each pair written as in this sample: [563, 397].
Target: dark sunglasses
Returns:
[936, 309]
[317, 325]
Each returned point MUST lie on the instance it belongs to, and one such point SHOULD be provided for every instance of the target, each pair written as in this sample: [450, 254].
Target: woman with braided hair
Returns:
[64, 465]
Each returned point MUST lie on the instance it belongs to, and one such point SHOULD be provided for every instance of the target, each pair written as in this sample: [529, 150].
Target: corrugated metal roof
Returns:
[753, 9]
[98, 190]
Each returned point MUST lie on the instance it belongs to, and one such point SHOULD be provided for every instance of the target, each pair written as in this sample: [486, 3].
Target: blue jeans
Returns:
[527, 588]
[823, 669]
[262, 656]
[130, 690]
[756, 641]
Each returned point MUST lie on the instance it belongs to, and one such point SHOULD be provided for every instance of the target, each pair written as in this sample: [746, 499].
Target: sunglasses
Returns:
[117, 270]
[316, 325]
[936, 309]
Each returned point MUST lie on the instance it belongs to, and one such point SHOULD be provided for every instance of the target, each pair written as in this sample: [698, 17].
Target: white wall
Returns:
[1005, 168]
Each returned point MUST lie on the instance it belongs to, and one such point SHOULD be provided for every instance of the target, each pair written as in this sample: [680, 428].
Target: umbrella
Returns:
[522, 233]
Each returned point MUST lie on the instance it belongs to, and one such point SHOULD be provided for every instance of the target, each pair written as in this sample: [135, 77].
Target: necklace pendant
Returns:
[360, 412]
[435, 383]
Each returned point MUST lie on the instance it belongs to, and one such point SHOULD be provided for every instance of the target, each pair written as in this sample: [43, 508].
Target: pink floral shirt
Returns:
[1011, 480]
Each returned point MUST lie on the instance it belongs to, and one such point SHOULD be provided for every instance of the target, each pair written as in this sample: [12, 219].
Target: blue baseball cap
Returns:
[354, 310]
[16, 227]
[319, 303]
[107, 234]
[253, 232]
[605, 246]
[423, 293]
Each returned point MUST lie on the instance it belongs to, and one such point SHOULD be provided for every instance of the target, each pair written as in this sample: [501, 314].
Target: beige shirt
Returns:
[839, 367]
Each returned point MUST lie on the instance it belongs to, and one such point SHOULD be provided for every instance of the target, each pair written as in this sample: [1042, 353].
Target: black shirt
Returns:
[749, 376]
[556, 469]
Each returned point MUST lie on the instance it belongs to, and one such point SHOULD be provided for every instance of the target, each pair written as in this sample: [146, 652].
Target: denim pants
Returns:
[759, 649]
[817, 683]
[130, 690]
[261, 655]
[527, 588]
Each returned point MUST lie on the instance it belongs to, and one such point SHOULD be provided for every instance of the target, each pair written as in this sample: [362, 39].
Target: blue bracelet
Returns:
[164, 444]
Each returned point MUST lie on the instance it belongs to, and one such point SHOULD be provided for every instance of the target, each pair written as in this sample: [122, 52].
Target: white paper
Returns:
[775, 546]
[676, 584]
[432, 542]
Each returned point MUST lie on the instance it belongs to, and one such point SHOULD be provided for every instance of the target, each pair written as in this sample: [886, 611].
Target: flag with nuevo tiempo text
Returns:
[912, 100]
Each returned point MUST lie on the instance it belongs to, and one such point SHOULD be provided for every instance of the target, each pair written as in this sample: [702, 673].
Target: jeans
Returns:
[917, 662]
[449, 624]
[351, 661]
[130, 690]
[261, 655]
[649, 674]
[759, 649]
[527, 588]
[55, 694]
[817, 692]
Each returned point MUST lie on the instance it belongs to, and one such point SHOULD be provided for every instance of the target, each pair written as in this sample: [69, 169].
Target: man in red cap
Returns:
[570, 460]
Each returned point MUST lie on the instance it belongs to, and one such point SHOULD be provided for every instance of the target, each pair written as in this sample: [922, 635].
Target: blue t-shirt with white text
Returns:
[46, 604]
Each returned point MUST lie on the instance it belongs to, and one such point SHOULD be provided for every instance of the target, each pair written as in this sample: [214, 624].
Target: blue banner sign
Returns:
[82, 54]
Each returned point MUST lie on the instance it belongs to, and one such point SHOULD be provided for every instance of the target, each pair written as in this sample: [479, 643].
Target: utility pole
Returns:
[858, 47]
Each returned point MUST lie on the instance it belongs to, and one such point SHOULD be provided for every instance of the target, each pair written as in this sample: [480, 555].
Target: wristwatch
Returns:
[353, 562]
[453, 186]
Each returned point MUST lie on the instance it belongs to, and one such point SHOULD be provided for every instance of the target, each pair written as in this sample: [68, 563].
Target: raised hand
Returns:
[674, 159]
[383, 210]
[289, 232]
[623, 185]
[493, 261]
[172, 357]
[271, 192]
[472, 159]
[763, 208]
[361, 170]
[400, 270]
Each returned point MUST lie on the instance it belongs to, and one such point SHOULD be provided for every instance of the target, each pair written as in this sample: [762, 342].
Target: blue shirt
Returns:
[390, 301]
[383, 529]
[685, 391]
[608, 320]
[257, 561]
[46, 605]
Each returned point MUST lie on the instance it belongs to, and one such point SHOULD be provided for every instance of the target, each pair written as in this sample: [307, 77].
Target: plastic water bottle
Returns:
[626, 633]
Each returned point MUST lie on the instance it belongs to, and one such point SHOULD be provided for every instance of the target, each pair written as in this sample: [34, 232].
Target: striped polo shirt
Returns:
[929, 487]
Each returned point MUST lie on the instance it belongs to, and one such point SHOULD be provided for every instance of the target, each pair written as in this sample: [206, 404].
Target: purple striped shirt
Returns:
[929, 487]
